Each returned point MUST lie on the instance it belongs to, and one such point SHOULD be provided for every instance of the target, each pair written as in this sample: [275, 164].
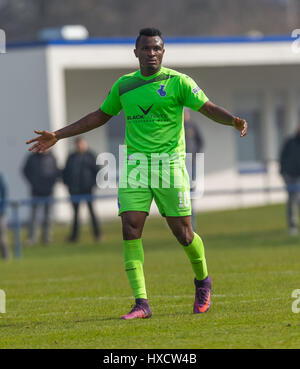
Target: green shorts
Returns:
[168, 185]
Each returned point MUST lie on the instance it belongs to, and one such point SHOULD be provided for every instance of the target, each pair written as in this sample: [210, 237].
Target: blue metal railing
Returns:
[17, 204]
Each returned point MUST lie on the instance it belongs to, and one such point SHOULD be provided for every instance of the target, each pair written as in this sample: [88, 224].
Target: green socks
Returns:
[195, 252]
[134, 260]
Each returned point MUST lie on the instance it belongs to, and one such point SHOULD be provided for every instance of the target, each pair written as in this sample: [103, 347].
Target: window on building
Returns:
[280, 121]
[280, 116]
[249, 148]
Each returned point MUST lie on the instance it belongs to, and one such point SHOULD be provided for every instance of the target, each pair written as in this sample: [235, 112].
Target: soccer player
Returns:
[153, 99]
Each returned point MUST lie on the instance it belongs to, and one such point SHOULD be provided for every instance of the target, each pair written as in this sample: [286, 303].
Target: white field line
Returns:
[73, 278]
[85, 298]
[244, 301]
[187, 304]
[49, 280]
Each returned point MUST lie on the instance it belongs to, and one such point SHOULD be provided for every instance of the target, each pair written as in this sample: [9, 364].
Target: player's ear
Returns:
[135, 53]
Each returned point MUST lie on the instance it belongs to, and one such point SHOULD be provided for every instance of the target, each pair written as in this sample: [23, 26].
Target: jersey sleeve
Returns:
[112, 104]
[191, 94]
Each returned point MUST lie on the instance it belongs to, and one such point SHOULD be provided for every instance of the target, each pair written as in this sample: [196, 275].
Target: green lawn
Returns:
[72, 295]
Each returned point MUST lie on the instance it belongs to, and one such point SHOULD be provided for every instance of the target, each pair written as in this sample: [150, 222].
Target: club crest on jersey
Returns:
[161, 91]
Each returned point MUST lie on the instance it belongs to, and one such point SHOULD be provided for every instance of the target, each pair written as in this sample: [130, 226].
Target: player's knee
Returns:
[131, 231]
[184, 235]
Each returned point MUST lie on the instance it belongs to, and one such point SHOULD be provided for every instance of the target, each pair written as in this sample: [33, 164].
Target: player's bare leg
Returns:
[182, 229]
[133, 224]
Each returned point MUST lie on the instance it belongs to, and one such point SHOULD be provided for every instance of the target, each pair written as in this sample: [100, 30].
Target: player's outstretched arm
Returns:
[47, 139]
[222, 116]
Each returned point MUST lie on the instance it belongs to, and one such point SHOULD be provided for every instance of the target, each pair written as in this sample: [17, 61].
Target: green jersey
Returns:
[153, 108]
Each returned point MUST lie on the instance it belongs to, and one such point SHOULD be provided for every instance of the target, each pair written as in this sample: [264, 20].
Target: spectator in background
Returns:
[290, 171]
[80, 177]
[3, 230]
[41, 172]
[194, 144]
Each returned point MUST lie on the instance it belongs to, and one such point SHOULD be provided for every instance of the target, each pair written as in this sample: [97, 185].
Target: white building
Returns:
[46, 85]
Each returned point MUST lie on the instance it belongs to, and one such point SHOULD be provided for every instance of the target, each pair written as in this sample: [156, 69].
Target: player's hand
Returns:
[43, 142]
[241, 125]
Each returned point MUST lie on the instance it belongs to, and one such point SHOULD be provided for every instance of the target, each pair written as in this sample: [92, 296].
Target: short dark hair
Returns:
[79, 138]
[150, 32]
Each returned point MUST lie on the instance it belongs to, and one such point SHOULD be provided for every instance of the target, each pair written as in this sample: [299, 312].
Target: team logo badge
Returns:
[161, 91]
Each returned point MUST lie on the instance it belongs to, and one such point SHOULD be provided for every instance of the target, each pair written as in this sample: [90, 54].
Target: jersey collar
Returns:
[152, 75]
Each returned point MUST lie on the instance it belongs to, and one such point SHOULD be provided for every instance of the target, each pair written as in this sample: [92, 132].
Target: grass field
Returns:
[72, 295]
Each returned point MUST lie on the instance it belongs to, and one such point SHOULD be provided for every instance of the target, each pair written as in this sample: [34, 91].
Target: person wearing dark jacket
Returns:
[41, 172]
[5, 252]
[290, 171]
[80, 177]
